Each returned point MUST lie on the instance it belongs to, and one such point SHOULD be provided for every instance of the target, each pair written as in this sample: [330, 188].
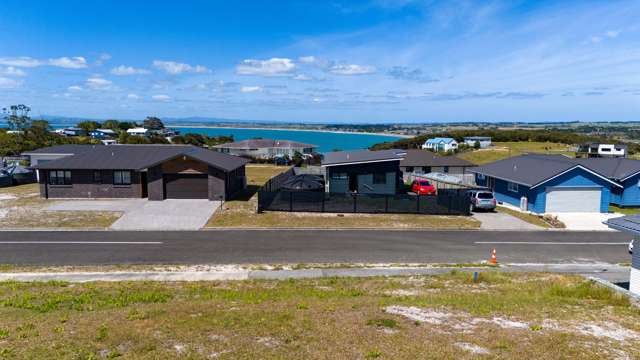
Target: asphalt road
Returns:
[296, 246]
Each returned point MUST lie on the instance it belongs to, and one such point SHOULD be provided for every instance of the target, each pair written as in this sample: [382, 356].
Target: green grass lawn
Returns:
[506, 316]
[624, 211]
[503, 150]
[241, 212]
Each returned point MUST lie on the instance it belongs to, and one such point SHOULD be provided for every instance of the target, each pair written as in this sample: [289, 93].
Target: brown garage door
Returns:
[186, 186]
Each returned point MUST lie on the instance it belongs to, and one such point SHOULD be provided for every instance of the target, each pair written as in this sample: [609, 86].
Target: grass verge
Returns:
[532, 219]
[503, 150]
[507, 316]
[22, 207]
[241, 212]
[624, 211]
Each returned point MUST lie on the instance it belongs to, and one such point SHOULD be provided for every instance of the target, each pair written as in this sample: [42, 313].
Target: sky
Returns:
[324, 61]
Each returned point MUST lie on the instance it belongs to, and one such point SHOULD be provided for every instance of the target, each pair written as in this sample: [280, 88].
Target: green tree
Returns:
[17, 117]
[88, 125]
[153, 123]
[111, 124]
[126, 125]
[476, 145]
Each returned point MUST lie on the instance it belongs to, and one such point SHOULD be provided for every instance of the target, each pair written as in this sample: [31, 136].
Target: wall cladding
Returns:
[84, 187]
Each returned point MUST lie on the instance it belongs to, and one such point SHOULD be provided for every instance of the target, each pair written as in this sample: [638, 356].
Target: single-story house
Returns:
[363, 171]
[102, 133]
[266, 148]
[483, 141]
[71, 131]
[138, 131]
[631, 225]
[440, 144]
[556, 183]
[43, 155]
[156, 172]
[424, 162]
[602, 150]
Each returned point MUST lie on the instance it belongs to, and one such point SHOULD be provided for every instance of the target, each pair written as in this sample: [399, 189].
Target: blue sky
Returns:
[333, 61]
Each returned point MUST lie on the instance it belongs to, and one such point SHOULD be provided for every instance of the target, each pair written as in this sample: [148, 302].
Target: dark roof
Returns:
[67, 149]
[265, 143]
[361, 156]
[533, 169]
[138, 157]
[428, 158]
[629, 223]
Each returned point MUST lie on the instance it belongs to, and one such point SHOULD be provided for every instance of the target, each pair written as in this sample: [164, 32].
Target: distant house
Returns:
[483, 141]
[71, 131]
[102, 134]
[266, 148]
[156, 172]
[602, 150]
[363, 171]
[138, 131]
[44, 155]
[440, 144]
[556, 183]
[424, 162]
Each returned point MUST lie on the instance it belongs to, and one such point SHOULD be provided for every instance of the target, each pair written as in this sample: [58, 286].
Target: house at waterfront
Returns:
[363, 171]
[156, 172]
[556, 183]
[266, 149]
[440, 144]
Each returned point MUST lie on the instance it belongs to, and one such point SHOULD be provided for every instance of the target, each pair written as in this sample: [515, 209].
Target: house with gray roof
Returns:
[424, 162]
[266, 148]
[363, 171]
[556, 183]
[156, 172]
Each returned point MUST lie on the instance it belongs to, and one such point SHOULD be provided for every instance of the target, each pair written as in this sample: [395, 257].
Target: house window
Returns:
[513, 187]
[97, 176]
[379, 178]
[426, 169]
[409, 168]
[339, 176]
[446, 169]
[59, 177]
[122, 177]
[480, 176]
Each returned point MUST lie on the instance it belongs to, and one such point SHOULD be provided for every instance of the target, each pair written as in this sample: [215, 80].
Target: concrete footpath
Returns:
[608, 272]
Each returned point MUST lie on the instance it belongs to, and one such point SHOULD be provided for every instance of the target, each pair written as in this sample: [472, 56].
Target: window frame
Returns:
[376, 178]
[512, 187]
[119, 178]
[97, 179]
[55, 179]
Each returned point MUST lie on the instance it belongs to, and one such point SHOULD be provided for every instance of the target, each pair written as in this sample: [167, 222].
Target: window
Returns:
[446, 169]
[380, 178]
[60, 177]
[97, 176]
[513, 187]
[480, 176]
[409, 168]
[339, 176]
[122, 177]
[426, 169]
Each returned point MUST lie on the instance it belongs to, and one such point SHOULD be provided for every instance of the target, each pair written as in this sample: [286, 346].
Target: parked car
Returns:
[631, 247]
[482, 199]
[422, 187]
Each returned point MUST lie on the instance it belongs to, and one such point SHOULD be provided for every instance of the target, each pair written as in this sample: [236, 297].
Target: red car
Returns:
[422, 187]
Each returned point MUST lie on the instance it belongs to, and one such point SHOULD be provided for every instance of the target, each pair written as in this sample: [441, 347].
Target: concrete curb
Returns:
[242, 274]
[616, 288]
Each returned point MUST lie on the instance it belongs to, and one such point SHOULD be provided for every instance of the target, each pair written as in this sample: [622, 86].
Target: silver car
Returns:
[482, 200]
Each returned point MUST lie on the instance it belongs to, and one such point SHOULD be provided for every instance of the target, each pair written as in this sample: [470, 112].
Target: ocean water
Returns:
[325, 141]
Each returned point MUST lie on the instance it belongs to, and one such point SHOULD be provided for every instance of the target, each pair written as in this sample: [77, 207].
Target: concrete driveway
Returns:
[502, 221]
[141, 214]
[586, 221]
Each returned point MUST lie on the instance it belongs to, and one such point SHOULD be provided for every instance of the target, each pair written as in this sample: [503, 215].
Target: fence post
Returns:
[386, 203]
[290, 201]
[355, 203]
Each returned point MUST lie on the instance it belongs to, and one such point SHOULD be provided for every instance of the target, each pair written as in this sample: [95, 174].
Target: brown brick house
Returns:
[156, 172]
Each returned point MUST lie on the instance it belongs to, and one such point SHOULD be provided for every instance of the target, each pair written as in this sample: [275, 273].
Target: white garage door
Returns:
[573, 200]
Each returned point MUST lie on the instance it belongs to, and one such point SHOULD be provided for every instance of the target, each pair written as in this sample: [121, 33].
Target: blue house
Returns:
[556, 183]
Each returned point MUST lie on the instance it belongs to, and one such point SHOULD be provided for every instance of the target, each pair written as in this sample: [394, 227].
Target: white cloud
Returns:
[303, 77]
[161, 97]
[250, 89]
[77, 62]
[12, 71]
[612, 34]
[133, 96]
[97, 83]
[352, 69]
[23, 61]
[128, 70]
[104, 57]
[74, 88]
[271, 67]
[7, 83]
[307, 59]
[175, 68]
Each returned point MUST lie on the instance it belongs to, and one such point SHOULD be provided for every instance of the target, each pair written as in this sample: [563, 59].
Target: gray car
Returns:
[482, 200]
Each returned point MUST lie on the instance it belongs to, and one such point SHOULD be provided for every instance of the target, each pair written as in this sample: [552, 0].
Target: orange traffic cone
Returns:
[494, 258]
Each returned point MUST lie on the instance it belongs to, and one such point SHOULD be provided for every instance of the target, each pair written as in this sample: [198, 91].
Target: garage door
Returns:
[573, 200]
[186, 186]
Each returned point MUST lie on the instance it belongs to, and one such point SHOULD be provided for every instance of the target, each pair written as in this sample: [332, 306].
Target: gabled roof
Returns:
[139, 157]
[440, 140]
[361, 157]
[428, 158]
[265, 143]
[533, 170]
[67, 149]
